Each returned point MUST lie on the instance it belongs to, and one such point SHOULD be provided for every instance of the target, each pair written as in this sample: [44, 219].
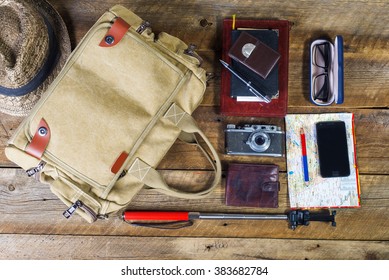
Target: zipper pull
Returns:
[32, 171]
[142, 27]
[191, 51]
[70, 211]
[79, 204]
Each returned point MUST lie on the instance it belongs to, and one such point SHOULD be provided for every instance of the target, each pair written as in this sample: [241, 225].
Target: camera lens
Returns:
[259, 141]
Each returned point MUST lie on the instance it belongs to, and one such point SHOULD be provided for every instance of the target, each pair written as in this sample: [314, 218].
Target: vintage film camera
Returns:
[256, 139]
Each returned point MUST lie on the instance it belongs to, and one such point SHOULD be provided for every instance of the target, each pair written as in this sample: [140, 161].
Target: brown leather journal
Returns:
[254, 54]
[277, 107]
[252, 185]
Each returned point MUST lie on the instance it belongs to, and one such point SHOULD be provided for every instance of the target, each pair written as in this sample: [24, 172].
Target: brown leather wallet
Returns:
[252, 185]
[254, 54]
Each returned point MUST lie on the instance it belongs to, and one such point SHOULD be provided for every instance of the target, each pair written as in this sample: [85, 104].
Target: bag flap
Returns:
[104, 102]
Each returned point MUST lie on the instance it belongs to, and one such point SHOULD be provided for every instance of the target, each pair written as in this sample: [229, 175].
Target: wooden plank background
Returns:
[31, 223]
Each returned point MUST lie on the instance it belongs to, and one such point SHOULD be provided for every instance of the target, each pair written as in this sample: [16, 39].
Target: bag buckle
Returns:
[191, 52]
[32, 171]
[143, 26]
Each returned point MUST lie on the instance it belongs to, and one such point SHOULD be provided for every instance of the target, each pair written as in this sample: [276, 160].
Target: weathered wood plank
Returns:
[307, 15]
[29, 207]
[372, 134]
[31, 223]
[20, 246]
[366, 57]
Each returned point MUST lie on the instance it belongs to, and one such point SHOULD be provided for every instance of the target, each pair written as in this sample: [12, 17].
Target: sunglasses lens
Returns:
[321, 87]
[321, 55]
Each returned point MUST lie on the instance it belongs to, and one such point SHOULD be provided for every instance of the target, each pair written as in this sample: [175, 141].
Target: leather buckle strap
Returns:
[115, 33]
[39, 142]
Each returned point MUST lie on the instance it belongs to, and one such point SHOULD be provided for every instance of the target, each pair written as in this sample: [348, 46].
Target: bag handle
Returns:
[152, 178]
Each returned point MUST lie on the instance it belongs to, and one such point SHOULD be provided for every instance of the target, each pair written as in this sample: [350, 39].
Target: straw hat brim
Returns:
[22, 105]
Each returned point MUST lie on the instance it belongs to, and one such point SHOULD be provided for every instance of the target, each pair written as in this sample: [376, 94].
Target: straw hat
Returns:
[34, 46]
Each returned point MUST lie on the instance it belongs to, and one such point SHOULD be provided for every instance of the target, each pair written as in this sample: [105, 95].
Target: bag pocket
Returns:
[77, 195]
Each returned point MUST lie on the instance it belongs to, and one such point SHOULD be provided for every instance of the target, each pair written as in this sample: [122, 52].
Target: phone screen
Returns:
[332, 146]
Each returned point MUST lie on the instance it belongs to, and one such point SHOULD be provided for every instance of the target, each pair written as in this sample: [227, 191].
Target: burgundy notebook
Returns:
[252, 185]
[277, 107]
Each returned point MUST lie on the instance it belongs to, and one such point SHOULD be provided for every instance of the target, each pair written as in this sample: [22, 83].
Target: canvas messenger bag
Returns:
[102, 127]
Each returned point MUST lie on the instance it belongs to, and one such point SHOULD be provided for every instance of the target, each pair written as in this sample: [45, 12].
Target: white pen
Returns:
[247, 83]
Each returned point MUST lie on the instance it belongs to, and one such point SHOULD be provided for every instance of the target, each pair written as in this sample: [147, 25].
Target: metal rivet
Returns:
[109, 39]
[42, 131]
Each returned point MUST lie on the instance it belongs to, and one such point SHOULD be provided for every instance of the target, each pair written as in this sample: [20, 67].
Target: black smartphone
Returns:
[332, 146]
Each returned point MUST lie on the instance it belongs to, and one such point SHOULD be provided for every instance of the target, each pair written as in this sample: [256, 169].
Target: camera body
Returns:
[256, 139]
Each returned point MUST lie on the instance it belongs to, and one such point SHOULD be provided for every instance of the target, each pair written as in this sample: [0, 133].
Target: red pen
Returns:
[304, 155]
